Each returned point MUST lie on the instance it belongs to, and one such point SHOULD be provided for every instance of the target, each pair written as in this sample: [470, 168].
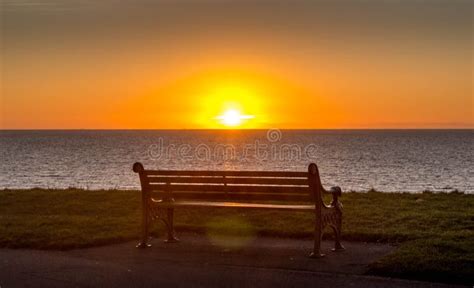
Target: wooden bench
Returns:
[165, 190]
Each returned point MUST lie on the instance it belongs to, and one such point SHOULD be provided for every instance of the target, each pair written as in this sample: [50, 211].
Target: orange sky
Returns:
[162, 65]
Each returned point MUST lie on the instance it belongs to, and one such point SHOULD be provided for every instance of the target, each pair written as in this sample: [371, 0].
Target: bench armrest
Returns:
[336, 192]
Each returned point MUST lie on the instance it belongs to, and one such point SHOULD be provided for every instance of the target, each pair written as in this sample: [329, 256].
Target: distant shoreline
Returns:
[450, 191]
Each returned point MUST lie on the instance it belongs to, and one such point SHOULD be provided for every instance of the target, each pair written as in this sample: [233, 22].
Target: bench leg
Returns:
[337, 236]
[145, 233]
[318, 235]
[170, 226]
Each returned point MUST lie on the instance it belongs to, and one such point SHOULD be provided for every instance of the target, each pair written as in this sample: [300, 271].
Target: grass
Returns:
[435, 232]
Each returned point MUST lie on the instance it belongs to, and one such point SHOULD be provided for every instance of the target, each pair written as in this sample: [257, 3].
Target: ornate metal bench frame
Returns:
[179, 184]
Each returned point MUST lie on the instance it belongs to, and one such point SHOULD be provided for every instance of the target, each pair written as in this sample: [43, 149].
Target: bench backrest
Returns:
[231, 185]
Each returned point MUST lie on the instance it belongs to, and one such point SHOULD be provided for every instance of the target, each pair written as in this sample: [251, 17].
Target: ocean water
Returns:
[359, 160]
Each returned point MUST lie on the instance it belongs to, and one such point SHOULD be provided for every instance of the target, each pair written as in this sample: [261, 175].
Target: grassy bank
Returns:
[435, 231]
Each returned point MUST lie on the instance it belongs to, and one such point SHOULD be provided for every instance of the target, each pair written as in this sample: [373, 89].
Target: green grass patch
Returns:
[435, 231]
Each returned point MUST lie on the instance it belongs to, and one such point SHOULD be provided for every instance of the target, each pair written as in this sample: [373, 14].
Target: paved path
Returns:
[198, 262]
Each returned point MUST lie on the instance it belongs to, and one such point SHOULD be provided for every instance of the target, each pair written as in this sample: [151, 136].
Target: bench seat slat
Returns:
[227, 173]
[238, 196]
[235, 205]
[229, 180]
[229, 188]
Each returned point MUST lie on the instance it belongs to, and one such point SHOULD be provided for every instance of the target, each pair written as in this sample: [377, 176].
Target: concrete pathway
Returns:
[198, 261]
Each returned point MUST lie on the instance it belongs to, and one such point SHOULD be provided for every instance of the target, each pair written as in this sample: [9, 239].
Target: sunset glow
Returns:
[115, 67]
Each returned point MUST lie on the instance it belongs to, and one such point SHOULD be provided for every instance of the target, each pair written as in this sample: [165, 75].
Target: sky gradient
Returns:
[290, 64]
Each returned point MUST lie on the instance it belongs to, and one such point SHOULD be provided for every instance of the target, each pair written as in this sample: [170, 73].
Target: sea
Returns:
[356, 160]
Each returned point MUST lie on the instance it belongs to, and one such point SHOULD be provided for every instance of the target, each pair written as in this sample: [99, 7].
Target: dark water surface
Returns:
[387, 160]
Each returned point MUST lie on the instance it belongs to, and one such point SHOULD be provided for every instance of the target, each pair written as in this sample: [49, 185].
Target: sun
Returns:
[233, 118]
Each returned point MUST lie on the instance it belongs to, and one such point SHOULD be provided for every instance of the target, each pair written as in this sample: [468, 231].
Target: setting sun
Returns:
[228, 98]
[233, 118]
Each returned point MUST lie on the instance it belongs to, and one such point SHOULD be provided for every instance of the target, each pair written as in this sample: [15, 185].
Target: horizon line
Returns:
[224, 129]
